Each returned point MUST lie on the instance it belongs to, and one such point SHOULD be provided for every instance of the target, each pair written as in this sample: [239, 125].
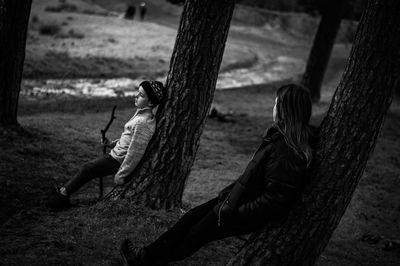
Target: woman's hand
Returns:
[107, 143]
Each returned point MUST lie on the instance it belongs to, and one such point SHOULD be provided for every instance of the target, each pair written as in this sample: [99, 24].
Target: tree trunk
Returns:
[14, 19]
[159, 179]
[322, 47]
[347, 138]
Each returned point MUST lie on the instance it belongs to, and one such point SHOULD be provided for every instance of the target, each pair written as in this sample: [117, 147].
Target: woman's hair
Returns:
[293, 113]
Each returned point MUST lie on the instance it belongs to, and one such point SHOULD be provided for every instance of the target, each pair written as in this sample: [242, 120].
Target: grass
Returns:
[60, 139]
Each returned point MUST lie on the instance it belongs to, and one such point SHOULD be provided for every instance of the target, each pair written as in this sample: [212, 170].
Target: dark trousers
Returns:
[196, 228]
[102, 166]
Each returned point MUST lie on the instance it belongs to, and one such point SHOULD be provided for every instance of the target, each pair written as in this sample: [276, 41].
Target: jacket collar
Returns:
[272, 133]
[143, 110]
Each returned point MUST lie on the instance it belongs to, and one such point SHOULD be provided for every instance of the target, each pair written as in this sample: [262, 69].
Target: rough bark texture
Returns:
[159, 180]
[14, 18]
[322, 47]
[348, 135]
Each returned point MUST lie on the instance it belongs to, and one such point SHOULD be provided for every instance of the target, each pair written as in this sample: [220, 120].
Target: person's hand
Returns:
[109, 144]
[105, 141]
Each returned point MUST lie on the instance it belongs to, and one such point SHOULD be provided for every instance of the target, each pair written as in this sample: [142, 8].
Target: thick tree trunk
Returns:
[348, 135]
[322, 47]
[14, 18]
[159, 180]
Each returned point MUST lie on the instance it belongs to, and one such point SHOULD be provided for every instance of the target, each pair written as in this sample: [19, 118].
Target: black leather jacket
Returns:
[269, 185]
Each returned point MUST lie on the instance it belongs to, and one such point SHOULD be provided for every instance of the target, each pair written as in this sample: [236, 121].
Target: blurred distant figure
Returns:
[143, 10]
[130, 12]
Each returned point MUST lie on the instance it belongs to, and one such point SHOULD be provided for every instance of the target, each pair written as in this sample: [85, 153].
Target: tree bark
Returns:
[14, 19]
[322, 47]
[159, 179]
[347, 138]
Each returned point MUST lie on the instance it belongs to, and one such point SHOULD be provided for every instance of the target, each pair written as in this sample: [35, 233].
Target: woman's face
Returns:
[141, 99]
[274, 111]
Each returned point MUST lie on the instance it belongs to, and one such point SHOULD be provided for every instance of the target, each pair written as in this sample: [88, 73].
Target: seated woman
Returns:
[269, 186]
[126, 152]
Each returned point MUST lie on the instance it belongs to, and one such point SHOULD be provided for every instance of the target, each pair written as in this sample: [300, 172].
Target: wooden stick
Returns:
[103, 138]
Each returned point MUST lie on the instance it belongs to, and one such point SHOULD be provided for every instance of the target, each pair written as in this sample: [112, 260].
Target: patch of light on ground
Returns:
[281, 69]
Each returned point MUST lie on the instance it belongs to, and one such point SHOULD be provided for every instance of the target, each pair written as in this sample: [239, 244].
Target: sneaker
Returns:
[130, 254]
[58, 202]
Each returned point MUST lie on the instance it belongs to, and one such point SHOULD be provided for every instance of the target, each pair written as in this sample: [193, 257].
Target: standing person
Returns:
[126, 151]
[130, 12]
[143, 10]
[269, 186]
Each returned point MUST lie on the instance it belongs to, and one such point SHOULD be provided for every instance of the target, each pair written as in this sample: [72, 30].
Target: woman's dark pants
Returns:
[102, 166]
[196, 228]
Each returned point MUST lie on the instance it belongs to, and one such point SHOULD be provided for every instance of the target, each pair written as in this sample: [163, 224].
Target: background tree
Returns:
[160, 179]
[347, 138]
[14, 18]
[321, 50]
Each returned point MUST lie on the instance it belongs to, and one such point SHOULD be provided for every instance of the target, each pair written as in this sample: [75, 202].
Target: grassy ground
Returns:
[57, 143]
